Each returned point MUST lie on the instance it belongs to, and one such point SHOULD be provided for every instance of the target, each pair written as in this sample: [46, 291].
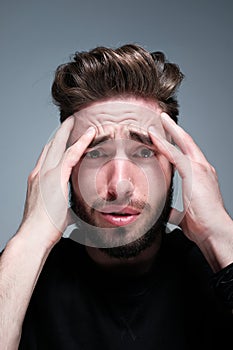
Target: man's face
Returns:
[121, 185]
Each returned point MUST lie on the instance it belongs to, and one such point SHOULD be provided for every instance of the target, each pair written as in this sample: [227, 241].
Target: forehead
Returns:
[117, 117]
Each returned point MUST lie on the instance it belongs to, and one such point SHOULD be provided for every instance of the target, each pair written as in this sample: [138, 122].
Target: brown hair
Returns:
[126, 71]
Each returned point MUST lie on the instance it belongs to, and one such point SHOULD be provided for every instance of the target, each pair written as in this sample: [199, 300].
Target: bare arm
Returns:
[20, 266]
[44, 220]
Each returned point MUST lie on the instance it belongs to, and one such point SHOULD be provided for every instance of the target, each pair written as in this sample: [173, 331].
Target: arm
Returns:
[44, 220]
[204, 219]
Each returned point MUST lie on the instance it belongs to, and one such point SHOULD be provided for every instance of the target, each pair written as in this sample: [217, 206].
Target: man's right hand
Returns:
[46, 204]
[44, 219]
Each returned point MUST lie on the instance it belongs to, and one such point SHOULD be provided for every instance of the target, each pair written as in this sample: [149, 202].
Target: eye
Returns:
[95, 153]
[144, 152]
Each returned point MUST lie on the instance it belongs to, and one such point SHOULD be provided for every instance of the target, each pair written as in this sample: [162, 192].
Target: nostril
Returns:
[124, 188]
[120, 191]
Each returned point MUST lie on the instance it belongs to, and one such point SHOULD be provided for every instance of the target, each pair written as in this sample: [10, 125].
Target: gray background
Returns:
[37, 36]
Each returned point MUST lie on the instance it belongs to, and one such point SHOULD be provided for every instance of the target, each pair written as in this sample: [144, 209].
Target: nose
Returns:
[120, 179]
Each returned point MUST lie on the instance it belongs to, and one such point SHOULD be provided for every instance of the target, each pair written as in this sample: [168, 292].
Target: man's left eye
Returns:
[144, 152]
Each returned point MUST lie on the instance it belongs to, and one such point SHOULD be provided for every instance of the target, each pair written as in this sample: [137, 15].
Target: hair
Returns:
[104, 73]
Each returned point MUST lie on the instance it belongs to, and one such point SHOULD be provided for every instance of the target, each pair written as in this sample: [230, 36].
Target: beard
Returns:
[154, 230]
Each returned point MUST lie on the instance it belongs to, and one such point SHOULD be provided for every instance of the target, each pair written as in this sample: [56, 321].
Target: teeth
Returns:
[122, 219]
[120, 214]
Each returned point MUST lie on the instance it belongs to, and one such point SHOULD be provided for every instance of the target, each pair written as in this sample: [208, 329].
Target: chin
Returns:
[127, 241]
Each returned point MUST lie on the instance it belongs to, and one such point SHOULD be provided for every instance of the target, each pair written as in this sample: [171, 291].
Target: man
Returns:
[124, 282]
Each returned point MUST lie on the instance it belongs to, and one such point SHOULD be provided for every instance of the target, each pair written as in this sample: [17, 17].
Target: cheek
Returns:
[166, 169]
[159, 179]
[150, 180]
[84, 183]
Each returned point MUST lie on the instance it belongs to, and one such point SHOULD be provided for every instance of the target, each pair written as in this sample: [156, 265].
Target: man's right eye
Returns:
[94, 154]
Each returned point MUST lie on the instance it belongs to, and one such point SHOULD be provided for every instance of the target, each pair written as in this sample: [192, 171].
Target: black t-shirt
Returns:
[76, 305]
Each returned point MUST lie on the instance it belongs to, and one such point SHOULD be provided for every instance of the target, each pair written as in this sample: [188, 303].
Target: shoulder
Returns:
[187, 257]
[176, 244]
[65, 262]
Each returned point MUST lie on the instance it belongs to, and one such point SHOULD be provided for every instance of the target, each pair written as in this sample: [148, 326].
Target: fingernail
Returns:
[152, 130]
[90, 130]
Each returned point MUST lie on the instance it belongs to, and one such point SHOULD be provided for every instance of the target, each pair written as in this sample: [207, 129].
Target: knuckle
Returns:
[213, 170]
[69, 152]
[31, 176]
[72, 154]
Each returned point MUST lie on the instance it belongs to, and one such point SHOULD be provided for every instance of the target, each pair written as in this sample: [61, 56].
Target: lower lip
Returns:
[119, 220]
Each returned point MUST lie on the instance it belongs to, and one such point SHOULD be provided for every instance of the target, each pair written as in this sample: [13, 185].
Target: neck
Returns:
[137, 265]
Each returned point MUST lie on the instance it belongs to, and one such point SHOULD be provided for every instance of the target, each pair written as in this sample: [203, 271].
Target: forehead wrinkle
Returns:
[108, 115]
[101, 121]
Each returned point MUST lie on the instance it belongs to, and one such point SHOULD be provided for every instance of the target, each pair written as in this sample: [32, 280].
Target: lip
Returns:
[119, 209]
[119, 220]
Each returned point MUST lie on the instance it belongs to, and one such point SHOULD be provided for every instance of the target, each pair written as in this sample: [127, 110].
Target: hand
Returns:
[204, 212]
[46, 204]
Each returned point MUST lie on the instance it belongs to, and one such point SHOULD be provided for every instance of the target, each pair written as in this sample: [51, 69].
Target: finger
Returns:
[183, 140]
[181, 162]
[41, 159]
[173, 155]
[58, 144]
[73, 154]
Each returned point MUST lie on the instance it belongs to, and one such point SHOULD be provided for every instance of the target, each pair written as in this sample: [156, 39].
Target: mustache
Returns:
[136, 204]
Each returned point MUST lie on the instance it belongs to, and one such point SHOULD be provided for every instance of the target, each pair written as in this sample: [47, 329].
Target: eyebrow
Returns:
[136, 136]
[99, 140]
[142, 138]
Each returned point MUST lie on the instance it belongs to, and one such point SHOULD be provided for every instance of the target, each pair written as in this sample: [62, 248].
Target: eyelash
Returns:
[88, 154]
[152, 153]
[103, 154]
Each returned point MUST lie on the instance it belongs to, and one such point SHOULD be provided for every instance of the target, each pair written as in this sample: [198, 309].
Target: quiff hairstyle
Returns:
[104, 73]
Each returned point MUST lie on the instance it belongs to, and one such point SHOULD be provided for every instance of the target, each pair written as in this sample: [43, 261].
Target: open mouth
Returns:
[121, 217]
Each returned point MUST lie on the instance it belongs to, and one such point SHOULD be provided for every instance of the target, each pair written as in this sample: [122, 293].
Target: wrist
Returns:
[40, 235]
[218, 246]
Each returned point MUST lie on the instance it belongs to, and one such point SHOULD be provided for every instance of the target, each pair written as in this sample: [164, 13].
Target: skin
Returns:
[121, 172]
[201, 195]
[204, 220]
